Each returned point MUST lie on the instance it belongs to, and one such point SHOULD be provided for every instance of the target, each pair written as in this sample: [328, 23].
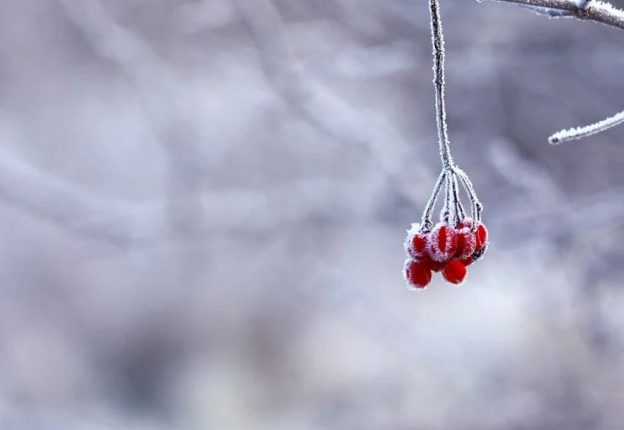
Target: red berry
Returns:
[466, 243]
[442, 243]
[434, 266]
[417, 274]
[455, 272]
[416, 243]
[481, 236]
[466, 222]
[467, 261]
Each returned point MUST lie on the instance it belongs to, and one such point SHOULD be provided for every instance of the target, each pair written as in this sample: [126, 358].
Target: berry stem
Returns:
[448, 208]
[426, 223]
[437, 38]
[451, 174]
[460, 214]
[477, 207]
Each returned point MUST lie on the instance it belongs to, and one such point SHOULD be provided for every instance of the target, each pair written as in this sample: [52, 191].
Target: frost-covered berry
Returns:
[466, 222]
[455, 272]
[481, 236]
[416, 242]
[442, 244]
[466, 243]
[417, 274]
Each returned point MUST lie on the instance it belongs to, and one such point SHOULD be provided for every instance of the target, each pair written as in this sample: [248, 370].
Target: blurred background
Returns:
[203, 205]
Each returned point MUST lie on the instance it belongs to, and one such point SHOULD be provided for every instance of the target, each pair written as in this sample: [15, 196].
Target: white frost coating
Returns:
[445, 252]
[405, 270]
[407, 245]
[469, 243]
[589, 10]
[592, 10]
[588, 130]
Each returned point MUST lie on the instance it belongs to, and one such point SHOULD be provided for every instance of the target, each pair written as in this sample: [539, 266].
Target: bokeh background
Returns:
[203, 206]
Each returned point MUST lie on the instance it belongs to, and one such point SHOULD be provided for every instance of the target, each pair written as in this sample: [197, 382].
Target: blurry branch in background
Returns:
[525, 174]
[135, 59]
[314, 102]
[166, 110]
[556, 214]
[45, 196]
[590, 10]
[126, 224]
[308, 98]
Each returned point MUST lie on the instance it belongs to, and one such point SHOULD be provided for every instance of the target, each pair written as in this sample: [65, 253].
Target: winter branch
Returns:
[590, 10]
[588, 130]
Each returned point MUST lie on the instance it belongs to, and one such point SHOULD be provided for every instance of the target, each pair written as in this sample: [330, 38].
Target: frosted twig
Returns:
[451, 173]
[551, 13]
[448, 199]
[426, 223]
[460, 213]
[477, 207]
[588, 130]
[591, 10]
[437, 37]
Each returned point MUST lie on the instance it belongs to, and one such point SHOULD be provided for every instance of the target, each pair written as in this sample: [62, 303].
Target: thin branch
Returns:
[588, 130]
[437, 38]
[590, 10]
[551, 13]
[426, 223]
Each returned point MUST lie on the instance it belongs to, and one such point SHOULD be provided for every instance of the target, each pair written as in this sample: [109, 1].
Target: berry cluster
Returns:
[446, 248]
[456, 241]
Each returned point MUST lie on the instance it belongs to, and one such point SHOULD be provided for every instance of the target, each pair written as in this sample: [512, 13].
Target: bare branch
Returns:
[592, 10]
[437, 39]
[588, 130]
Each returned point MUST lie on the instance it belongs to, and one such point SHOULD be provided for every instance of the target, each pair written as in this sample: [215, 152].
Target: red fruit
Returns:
[481, 236]
[466, 243]
[416, 243]
[442, 243]
[467, 261]
[434, 266]
[455, 272]
[466, 222]
[417, 274]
